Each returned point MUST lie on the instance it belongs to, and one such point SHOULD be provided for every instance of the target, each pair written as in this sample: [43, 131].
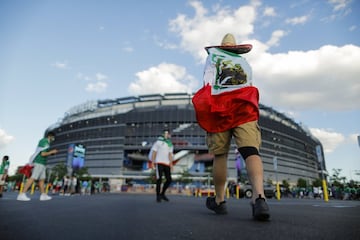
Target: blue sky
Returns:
[55, 55]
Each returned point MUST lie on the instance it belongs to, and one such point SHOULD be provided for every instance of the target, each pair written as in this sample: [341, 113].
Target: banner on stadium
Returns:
[76, 156]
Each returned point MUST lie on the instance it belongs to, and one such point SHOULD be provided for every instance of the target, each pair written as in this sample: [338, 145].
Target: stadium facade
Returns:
[118, 134]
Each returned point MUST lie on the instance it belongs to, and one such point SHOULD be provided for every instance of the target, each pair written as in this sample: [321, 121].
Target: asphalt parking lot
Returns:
[139, 216]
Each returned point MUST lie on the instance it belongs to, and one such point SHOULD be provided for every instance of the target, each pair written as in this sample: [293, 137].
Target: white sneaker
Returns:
[44, 197]
[22, 197]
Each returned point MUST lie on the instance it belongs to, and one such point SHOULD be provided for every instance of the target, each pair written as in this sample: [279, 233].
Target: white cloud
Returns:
[82, 76]
[100, 76]
[341, 8]
[352, 28]
[206, 30]
[60, 65]
[276, 37]
[164, 78]
[329, 139]
[339, 4]
[297, 20]
[163, 43]
[96, 84]
[5, 139]
[269, 11]
[326, 78]
[97, 87]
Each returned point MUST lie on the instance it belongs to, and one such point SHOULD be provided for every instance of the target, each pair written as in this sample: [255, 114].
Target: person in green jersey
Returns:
[39, 159]
[5, 164]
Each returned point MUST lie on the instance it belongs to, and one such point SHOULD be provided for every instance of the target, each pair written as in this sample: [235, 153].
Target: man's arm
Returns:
[153, 157]
[171, 159]
[51, 152]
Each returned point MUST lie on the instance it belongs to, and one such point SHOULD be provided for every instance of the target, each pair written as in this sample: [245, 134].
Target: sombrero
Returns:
[228, 43]
[238, 49]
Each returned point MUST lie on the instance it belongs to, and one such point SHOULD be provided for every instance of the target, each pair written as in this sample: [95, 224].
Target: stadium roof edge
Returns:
[92, 106]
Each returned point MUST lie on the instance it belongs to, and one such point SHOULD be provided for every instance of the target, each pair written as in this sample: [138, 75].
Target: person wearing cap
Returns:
[4, 168]
[39, 159]
[228, 106]
[162, 162]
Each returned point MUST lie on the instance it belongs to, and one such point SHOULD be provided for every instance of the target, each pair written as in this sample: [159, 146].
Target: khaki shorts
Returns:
[2, 182]
[38, 172]
[245, 135]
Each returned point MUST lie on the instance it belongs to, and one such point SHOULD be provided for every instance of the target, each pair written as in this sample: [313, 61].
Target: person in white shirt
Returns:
[162, 162]
[73, 184]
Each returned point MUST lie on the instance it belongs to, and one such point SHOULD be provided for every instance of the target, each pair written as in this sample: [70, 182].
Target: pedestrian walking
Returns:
[4, 168]
[39, 159]
[84, 186]
[226, 107]
[162, 162]
[73, 184]
[66, 185]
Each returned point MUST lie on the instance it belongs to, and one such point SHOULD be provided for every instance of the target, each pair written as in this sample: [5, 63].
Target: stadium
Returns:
[114, 137]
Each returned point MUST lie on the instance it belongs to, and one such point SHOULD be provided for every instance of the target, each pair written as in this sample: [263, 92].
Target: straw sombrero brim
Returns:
[238, 49]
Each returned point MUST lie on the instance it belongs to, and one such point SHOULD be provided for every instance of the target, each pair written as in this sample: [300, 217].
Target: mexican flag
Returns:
[221, 112]
[227, 98]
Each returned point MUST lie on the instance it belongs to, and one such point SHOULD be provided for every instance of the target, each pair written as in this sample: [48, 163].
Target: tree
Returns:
[269, 181]
[336, 179]
[317, 183]
[185, 177]
[301, 183]
[59, 171]
[285, 184]
[82, 173]
[17, 178]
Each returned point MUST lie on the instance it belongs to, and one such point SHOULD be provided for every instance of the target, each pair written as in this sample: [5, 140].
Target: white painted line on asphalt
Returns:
[333, 206]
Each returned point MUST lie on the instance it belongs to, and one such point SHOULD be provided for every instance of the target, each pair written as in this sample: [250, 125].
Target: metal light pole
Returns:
[277, 182]
[324, 183]
[48, 181]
